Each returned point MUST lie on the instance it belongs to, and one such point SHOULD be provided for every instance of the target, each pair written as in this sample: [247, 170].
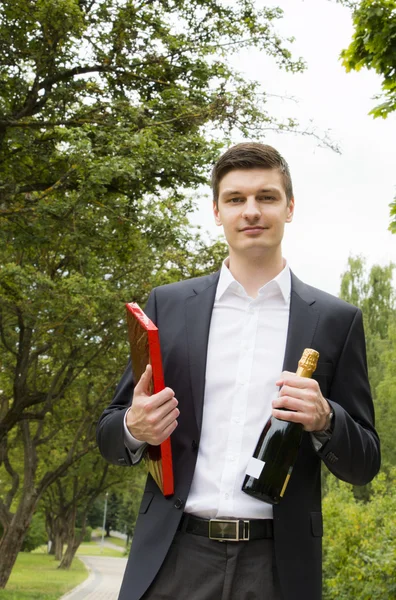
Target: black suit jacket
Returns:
[182, 312]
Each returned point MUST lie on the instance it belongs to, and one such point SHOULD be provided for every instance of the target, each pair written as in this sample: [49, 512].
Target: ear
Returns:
[290, 211]
[216, 214]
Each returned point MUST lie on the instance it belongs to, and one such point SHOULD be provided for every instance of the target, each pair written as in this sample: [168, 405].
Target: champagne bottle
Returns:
[271, 465]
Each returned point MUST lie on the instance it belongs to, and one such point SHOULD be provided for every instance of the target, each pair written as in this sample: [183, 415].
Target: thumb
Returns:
[143, 385]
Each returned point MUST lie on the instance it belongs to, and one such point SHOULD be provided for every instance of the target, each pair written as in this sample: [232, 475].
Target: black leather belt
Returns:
[228, 530]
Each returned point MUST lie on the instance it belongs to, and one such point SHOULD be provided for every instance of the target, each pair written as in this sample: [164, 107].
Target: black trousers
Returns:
[197, 568]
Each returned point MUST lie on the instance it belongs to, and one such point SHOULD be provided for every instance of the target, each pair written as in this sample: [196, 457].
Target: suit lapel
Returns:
[303, 320]
[198, 309]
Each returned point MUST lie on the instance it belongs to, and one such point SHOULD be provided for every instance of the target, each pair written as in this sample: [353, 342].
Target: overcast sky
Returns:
[341, 199]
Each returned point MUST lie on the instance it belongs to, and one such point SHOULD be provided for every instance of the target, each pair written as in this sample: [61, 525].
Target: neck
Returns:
[254, 272]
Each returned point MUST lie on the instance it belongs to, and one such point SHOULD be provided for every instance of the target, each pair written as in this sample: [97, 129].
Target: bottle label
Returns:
[255, 467]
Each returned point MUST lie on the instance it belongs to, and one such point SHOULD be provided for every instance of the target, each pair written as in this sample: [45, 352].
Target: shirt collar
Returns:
[282, 283]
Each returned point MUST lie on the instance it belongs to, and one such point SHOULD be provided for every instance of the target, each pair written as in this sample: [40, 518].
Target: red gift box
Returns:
[145, 348]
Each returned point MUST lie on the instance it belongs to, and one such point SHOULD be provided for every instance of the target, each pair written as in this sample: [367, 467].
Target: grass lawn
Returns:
[36, 577]
[117, 541]
[87, 549]
[97, 535]
[94, 549]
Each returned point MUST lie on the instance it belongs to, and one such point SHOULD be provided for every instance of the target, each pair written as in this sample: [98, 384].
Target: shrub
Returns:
[36, 535]
[87, 535]
[359, 549]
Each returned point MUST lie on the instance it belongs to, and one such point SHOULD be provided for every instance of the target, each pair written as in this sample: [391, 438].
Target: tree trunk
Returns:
[73, 543]
[58, 546]
[70, 553]
[56, 530]
[12, 540]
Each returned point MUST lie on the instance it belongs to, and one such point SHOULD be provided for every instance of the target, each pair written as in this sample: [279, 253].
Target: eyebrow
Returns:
[237, 192]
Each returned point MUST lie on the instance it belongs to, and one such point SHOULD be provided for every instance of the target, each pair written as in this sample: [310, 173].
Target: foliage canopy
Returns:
[374, 47]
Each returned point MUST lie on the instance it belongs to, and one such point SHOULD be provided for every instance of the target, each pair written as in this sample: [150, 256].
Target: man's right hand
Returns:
[152, 418]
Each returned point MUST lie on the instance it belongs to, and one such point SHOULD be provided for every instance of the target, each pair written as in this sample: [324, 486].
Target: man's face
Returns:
[253, 210]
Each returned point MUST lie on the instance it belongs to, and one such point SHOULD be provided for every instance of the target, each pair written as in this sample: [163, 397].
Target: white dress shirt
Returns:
[246, 347]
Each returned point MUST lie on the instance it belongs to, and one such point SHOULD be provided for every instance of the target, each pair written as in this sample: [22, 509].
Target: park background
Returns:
[111, 114]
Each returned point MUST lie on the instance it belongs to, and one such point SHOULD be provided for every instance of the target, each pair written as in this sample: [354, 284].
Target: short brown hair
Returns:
[250, 155]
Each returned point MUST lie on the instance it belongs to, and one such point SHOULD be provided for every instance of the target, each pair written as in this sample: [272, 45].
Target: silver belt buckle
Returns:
[227, 530]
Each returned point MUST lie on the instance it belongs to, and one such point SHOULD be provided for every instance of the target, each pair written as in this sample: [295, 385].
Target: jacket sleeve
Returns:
[110, 429]
[353, 451]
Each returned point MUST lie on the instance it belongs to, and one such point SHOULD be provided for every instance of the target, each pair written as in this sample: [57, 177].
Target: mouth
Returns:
[253, 229]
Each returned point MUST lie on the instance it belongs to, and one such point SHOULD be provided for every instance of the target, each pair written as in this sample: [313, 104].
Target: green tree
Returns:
[374, 47]
[385, 398]
[95, 514]
[374, 294]
[108, 110]
[36, 534]
[113, 506]
[129, 501]
[372, 291]
[359, 552]
[68, 501]
[35, 453]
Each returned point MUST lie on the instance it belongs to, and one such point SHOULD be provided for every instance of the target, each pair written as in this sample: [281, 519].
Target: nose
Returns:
[251, 209]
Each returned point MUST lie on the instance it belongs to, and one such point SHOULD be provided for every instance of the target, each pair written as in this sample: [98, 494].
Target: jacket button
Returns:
[194, 446]
[122, 461]
[179, 503]
[331, 457]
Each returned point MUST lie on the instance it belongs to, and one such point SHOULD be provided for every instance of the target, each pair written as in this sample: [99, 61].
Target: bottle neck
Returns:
[302, 372]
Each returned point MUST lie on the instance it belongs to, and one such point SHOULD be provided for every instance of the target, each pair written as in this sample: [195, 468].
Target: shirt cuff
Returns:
[319, 440]
[134, 447]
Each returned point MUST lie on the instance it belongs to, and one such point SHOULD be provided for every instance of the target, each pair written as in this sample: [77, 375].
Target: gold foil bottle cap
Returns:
[309, 360]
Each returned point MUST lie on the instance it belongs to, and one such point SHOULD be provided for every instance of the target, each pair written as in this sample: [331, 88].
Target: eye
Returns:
[266, 198]
[235, 200]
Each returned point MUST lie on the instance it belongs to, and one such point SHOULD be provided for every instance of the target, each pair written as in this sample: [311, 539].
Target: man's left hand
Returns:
[302, 398]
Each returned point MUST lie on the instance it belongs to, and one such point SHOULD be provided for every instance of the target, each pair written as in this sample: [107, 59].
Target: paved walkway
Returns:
[98, 540]
[104, 581]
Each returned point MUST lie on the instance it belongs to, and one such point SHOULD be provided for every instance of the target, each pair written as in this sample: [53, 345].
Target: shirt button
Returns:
[226, 496]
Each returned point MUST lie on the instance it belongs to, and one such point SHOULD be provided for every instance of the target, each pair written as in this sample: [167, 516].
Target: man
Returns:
[225, 340]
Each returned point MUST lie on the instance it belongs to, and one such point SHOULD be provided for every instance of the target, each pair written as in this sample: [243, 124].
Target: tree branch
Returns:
[52, 476]
[5, 516]
[14, 475]
[3, 339]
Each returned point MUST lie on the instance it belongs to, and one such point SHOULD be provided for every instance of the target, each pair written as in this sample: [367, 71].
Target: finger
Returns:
[289, 403]
[164, 410]
[284, 375]
[289, 415]
[293, 380]
[166, 433]
[168, 419]
[144, 384]
[293, 392]
[160, 398]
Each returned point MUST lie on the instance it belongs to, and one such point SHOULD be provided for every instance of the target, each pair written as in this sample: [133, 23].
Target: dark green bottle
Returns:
[271, 465]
